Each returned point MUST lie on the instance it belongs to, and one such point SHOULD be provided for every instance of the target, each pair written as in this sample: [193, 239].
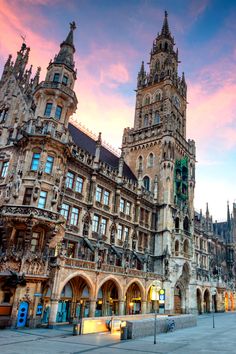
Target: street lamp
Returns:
[155, 297]
[213, 293]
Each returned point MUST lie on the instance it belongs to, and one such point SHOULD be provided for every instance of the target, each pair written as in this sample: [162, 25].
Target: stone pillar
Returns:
[53, 312]
[121, 307]
[144, 307]
[92, 308]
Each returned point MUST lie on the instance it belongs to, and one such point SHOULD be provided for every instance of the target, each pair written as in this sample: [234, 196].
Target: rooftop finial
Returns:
[72, 26]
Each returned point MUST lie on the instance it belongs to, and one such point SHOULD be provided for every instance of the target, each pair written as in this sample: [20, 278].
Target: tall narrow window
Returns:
[48, 110]
[42, 199]
[56, 77]
[35, 162]
[34, 241]
[145, 121]
[128, 208]
[27, 196]
[49, 164]
[103, 226]
[106, 197]
[65, 210]
[119, 232]
[65, 80]
[150, 160]
[70, 180]
[4, 168]
[122, 205]
[79, 184]
[156, 118]
[95, 223]
[126, 233]
[74, 216]
[58, 112]
[140, 163]
[146, 183]
[98, 194]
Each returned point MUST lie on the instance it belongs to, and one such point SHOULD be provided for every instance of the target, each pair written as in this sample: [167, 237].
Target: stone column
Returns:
[121, 308]
[144, 307]
[92, 308]
[53, 312]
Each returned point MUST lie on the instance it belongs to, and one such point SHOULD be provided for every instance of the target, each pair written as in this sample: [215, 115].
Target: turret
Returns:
[54, 97]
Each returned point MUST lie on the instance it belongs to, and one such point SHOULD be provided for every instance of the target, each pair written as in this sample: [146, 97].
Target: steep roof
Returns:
[85, 142]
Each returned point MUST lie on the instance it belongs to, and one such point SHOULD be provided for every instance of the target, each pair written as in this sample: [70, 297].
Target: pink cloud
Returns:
[211, 114]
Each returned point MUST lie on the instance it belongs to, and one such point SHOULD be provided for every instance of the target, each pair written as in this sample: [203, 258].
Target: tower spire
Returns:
[165, 28]
[67, 49]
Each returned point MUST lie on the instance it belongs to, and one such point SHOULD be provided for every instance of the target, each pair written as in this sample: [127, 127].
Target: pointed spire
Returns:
[165, 28]
[36, 78]
[67, 49]
[228, 215]
[207, 210]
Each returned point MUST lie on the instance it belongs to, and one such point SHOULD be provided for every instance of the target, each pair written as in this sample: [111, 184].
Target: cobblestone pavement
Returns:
[202, 339]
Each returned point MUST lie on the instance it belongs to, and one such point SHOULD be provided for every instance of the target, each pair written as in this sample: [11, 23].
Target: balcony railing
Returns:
[25, 210]
[108, 268]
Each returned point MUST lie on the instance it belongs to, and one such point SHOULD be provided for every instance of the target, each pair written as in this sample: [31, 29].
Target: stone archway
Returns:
[133, 298]
[181, 291]
[108, 298]
[74, 299]
[177, 299]
[206, 301]
[199, 301]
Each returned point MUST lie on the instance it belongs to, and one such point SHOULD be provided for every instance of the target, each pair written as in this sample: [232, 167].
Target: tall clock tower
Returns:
[163, 160]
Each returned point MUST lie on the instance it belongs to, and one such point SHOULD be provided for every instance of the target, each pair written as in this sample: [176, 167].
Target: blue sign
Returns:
[162, 297]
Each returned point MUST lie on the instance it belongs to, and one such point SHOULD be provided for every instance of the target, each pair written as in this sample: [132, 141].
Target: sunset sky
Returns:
[112, 38]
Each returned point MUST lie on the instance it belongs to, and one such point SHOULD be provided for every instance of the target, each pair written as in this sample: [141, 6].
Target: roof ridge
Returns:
[94, 136]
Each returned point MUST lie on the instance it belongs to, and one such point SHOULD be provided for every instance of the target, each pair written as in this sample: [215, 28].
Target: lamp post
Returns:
[155, 297]
[213, 294]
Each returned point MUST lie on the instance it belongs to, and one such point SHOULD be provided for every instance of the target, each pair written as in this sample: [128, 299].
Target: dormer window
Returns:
[56, 77]
[65, 80]
[58, 112]
[48, 110]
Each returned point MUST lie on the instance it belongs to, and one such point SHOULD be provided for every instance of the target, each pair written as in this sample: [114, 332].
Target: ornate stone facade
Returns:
[84, 232]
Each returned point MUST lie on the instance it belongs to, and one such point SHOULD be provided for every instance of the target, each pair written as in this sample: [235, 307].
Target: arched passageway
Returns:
[74, 300]
[206, 301]
[177, 299]
[199, 301]
[133, 300]
[107, 299]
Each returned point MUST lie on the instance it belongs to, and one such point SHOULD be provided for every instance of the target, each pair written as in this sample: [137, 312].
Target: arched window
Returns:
[186, 224]
[156, 118]
[150, 160]
[147, 100]
[146, 183]
[145, 121]
[177, 223]
[140, 163]
[186, 248]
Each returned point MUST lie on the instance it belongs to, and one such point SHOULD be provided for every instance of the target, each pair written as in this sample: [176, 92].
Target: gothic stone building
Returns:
[84, 232]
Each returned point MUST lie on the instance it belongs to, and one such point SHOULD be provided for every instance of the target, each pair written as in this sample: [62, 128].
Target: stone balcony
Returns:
[57, 85]
[29, 211]
[108, 268]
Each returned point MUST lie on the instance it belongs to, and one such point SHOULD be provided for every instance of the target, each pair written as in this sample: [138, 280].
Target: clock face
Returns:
[177, 101]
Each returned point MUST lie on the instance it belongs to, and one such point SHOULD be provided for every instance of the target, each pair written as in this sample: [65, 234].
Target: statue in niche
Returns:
[8, 190]
[55, 194]
[16, 185]
[36, 190]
